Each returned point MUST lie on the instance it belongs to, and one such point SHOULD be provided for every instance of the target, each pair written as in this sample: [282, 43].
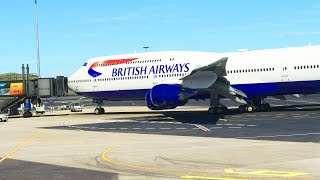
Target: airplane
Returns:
[166, 80]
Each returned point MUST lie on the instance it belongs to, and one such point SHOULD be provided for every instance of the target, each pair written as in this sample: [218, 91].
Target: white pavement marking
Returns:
[281, 135]
[306, 102]
[213, 128]
[202, 127]
[234, 127]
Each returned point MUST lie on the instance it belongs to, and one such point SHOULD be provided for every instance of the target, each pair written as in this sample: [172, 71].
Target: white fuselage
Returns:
[128, 77]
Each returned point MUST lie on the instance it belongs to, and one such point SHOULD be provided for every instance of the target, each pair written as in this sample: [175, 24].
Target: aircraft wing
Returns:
[211, 77]
[219, 67]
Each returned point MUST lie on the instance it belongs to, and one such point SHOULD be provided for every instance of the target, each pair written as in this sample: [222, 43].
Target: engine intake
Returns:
[168, 96]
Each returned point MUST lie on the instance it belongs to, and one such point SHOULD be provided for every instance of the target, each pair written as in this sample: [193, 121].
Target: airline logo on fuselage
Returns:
[150, 70]
[94, 73]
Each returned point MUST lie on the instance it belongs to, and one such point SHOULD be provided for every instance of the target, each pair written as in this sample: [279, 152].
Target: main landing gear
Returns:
[254, 106]
[217, 110]
[99, 109]
[215, 106]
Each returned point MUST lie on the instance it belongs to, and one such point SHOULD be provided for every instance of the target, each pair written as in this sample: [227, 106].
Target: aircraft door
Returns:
[285, 74]
[95, 85]
[156, 79]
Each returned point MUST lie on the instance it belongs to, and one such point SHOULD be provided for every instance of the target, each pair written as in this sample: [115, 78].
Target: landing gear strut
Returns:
[99, 109]
[215, 106]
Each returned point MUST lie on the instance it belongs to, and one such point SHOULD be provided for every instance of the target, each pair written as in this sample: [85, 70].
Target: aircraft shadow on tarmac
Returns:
[233, 111]
[17, 169]
[202, 117]
[275, 127]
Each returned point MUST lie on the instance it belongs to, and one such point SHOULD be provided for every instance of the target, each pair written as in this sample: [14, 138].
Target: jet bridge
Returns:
[29, 92]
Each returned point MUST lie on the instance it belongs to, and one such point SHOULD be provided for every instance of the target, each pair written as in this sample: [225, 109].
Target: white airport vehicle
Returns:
[40, 109]
[4, 117]
[76, 107]
[65, 107]
[166, 80]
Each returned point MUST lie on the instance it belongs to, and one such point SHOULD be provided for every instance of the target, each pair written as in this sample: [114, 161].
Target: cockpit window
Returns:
[85, 64]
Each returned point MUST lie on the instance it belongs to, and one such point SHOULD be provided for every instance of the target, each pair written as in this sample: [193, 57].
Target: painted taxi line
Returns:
[21, 145]
[206, 175]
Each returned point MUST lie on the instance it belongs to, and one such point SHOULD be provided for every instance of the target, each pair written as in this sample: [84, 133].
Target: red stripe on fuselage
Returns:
[112, 62]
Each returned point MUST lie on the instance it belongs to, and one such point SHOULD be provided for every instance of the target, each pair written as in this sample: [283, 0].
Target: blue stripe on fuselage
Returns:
[279, 88]
[251, 90]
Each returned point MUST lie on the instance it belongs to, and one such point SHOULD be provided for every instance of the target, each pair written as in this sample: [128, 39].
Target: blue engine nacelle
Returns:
[167, 96]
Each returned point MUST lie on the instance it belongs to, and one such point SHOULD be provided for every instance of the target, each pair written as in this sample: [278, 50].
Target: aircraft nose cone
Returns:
[72, 83]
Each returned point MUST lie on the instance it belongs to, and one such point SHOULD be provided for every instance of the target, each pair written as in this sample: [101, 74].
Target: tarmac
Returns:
[132, 142]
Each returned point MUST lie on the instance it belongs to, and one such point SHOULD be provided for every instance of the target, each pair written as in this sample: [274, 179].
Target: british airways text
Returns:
[149, 70]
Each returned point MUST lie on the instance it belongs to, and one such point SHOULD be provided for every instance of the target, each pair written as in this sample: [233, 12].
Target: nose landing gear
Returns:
[99, 109]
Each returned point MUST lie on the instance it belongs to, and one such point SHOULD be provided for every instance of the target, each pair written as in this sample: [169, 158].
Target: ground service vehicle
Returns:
[76, 107]
[4, 117]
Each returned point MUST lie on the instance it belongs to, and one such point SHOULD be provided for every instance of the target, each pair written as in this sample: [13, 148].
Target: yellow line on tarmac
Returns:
[212, 178]
[21, 145]
[201, 175]
[105, 153]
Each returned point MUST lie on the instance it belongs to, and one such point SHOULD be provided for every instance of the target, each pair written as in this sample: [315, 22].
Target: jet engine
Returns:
[168, 96]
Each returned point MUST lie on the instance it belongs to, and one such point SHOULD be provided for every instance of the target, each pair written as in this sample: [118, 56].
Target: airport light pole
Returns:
[146, 48]
[37, 37]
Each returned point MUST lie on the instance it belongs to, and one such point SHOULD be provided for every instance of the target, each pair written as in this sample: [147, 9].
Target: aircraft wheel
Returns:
[217, 110]
[251, 108]
[242, 108]
[211, 110]
[225, 109]
[102, 111]
[97, 111]
[27, 114]
[259, 108]
[266, 107]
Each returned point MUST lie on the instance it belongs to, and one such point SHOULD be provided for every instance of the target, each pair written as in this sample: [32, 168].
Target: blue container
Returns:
[27, 105]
